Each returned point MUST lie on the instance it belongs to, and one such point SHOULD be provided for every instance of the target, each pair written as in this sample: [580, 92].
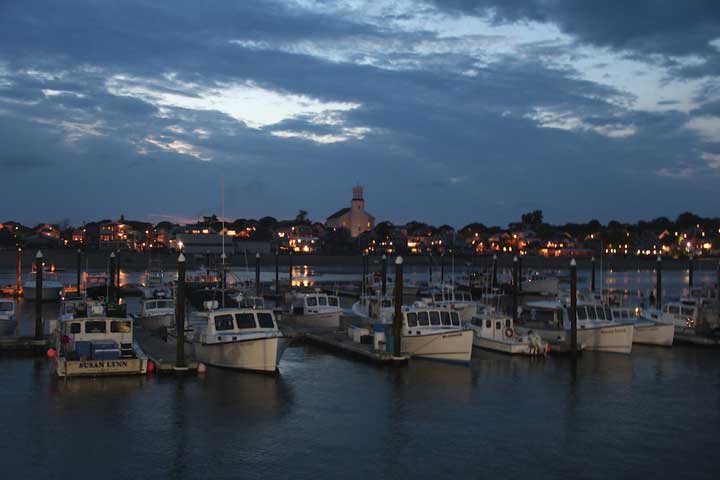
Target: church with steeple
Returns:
[354, 219]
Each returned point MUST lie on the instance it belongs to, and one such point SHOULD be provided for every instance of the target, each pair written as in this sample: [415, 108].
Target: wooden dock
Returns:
[24, 345]
[337, 341]
[162, 353]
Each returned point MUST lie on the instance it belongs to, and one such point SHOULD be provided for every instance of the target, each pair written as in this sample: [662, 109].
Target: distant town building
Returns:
[354, 219]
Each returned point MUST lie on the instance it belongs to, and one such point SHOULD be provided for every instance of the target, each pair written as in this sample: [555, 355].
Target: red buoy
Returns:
[51, 353]
[150, 366]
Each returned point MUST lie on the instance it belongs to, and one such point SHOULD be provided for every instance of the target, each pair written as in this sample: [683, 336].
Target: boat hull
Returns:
[661, 334]
[259, 355]
[319, 320]
[611, 338]
[96, 368]
[453, 346]
[509, 347]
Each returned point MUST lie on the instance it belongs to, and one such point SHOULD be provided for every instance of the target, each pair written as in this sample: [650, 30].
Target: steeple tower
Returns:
[358, 204]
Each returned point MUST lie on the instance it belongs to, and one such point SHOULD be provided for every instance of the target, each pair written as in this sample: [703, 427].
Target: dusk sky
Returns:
[446, 111]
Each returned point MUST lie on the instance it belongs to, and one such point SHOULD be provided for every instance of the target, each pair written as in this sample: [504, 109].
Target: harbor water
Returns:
[326, 416]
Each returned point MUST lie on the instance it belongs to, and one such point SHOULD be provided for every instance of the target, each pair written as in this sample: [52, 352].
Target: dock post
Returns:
[442, 268]
[277, 272]
[384, 275]
[19, 290]
[111, 288]
[117, 274]
[363, 282]
[257, 274]
[573, 308]
[717, 281]
[519, 272]
[515, 289]
[290, 271]
[592, 275]
[180, 314]
[430, 265]
[38, 295]
[397, 318]
[494, 272]
[79, 270]
[691, 268]
[658, 283]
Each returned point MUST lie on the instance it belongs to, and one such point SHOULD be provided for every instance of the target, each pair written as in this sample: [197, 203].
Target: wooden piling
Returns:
[442, 268]
[277, 272]
[515, 289]
[111, 274]
[363, 281]
[691, 268]
[430, 269]
[257, 274]
[19, 289]
[117, 274]
[494, 271]
[79, 270]
[384, 275]
[573, 307]
[519, 257]
[658, 283]
[290, 266]
[592, 275]
[397, 318]
[180, 313]
[38, 295]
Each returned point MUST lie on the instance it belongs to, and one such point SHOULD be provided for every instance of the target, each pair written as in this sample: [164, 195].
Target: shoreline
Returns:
[139, 261]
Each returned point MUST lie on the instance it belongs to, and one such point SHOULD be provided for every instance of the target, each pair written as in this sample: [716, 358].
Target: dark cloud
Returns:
[441, 146]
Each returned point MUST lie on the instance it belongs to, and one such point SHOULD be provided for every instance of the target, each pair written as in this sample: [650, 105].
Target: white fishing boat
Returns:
[428, 332]
[314, 310]
[435, 334]
[461, 302]
[239, 338]
[156, 314]
[8, 323]
[596, 329]
[97, 346]
[494, 331]
[683, 314]
[650, 328]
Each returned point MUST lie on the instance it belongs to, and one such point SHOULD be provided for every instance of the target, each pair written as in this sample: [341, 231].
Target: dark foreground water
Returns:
[655, 413]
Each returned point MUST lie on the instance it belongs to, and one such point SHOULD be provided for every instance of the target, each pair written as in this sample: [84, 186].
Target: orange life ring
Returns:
[509, 332]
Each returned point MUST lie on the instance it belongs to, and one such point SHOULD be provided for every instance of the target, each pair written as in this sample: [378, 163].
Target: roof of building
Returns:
[339, 213]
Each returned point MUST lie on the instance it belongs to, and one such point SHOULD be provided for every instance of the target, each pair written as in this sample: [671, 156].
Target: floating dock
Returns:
[339, 342]
[162, 353]
[24, 345]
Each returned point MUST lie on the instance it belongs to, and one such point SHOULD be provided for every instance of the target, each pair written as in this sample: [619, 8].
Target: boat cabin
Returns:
[157, 306]
[234, 321]
[685, 310]
[96, 338]
[78, 308]
[452, 296]
[315, 303]
[252, 302]
[417, 319]
[494, 327]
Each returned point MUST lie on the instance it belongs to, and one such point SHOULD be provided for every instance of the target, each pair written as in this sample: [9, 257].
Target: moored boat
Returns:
[156, 314]
[239, 338]
[314, 310]
[98, 346]
[493, 331]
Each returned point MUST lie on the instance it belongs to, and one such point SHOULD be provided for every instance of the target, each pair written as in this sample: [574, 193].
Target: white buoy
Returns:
[201, 368]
